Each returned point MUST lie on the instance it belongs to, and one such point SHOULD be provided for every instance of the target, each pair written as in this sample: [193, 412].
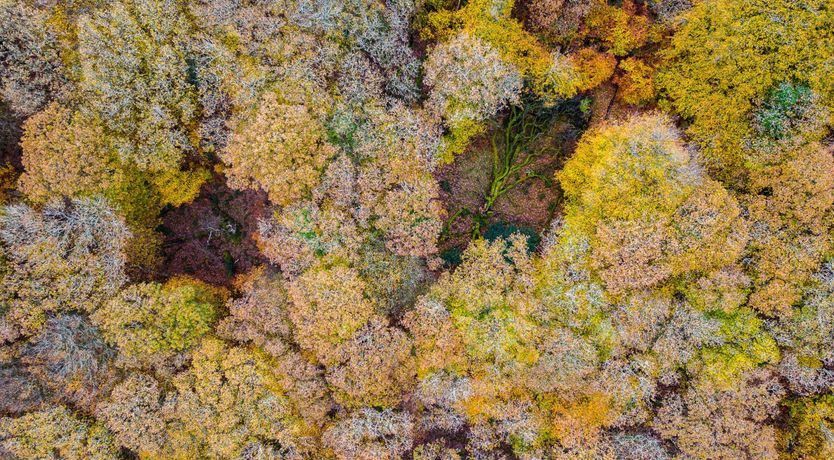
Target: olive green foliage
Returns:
[149, 322]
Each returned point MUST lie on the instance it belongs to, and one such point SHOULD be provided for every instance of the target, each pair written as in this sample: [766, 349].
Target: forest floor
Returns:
[528, 208]
[532, 206]
[211, 238]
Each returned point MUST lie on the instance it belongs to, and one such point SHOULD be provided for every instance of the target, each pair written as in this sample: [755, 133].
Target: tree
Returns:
[370, 434]
[382, 215]
[397, 192]
[642, 218]
[20, 391]
[135, 78]
[394, 281]
[560, 19]
[648, 211]
[806, 335]
[594, 67]
[53, 433]
[470, 83]
[565, 365]
[244, 49]
[669, 11]
[809, 428]
[32, 59]
[484, 354]
[483, 33]
[147, 123]
[438, 344]
[718, 93]
[565, 282]
[297, 237]
[790, 116]
[70, 358]
[281, 149]
[626, 170]
[639, 320]
[549, 75]
[260, 317]
[743, 345]
[724, 424]
[136, 415]
[65, 154]
[485, 297]
[150, 323]
[62, 156]
[380, 30]
[636, 85]
[329, 304]
[789, 209]
[440, 395]
[686, 331]
[374, 368]
[68, 256]
[368, 365]
[229, 403]
[638, 446]
[435, 450]
[619, 29]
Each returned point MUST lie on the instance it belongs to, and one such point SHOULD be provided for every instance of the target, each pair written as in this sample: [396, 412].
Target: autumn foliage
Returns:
[428, 230]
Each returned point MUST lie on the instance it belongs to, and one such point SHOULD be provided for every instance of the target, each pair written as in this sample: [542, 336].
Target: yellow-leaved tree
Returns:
[746, 70]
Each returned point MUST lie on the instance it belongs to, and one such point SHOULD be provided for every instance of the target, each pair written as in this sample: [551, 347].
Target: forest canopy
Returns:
[417, 229]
